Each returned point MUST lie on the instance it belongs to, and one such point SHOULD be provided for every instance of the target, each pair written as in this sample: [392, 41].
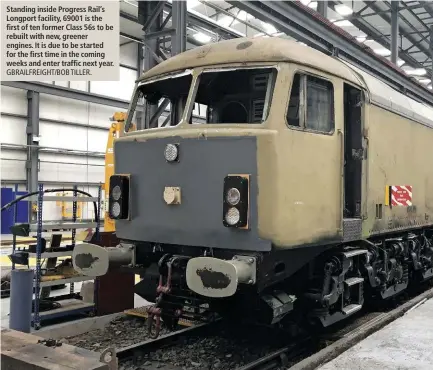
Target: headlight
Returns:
[171, 152]
[116, 192]
[236, 201]
[233, 196]
[232, 216]
[118, 197]
[115, 209]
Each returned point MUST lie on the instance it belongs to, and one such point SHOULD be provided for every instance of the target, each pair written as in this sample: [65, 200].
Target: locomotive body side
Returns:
[400, 173]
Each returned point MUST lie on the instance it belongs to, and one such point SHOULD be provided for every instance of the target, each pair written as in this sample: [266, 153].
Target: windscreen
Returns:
[240, 96]
[159, 103]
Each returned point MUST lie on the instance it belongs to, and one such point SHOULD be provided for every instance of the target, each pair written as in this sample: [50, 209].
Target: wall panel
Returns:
[13, 100]
[79, 85]
[13, 130]
[121, 89]
[12, 165]
[128, 54]
[63, 109]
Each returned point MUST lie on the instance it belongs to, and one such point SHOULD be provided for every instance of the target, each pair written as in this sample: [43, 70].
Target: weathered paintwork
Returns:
[299, 174]
[400, 152]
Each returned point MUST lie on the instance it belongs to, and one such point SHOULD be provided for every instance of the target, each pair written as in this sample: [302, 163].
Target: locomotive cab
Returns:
[203, 189]
[245, 188]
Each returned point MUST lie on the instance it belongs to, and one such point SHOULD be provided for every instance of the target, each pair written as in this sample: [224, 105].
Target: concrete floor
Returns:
[5, 303]
[405, 344]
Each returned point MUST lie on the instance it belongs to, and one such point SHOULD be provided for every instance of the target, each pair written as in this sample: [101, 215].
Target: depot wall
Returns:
[65, 125]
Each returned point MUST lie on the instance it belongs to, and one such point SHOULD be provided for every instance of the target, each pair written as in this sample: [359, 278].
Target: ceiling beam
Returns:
[410, 38]
[380, 38]
[308, 26]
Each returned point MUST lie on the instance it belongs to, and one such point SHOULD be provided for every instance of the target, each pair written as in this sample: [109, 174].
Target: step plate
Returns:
[351, 309]
[353, 281]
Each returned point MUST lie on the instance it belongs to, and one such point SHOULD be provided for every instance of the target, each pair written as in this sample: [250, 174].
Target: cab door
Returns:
[353, 151]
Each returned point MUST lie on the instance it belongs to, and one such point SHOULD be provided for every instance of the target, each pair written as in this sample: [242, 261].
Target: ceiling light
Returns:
[425, 80]
[201, 37]
[269, 28]
[400, 62]
[313, 5]
[244, 16]
[225, 21]
[260, 34]
[278, 34]
[192, 4]
[343, 9]
[416, 72]
[343, 23]
[429, 87]
[382, 51]
[305, 2]
[361, 38]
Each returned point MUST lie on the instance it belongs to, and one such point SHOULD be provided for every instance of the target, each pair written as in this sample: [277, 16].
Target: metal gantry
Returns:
[32, 131]
[307, 26]
[394, 31]
[161, 41]
[431, 52]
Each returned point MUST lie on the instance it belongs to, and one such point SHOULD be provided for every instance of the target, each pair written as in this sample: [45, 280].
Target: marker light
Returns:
[171, 152]
[116, 192]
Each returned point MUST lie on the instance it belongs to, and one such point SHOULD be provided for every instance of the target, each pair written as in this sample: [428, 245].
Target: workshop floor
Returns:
[404, 344]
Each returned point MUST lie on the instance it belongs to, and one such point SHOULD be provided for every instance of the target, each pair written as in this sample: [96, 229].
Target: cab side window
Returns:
[311, 104]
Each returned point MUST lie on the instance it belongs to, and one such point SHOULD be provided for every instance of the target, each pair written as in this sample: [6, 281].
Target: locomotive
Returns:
[306, 187]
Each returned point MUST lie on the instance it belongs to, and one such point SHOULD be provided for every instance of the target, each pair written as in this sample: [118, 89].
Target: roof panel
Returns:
[385, 96]
[261, 49]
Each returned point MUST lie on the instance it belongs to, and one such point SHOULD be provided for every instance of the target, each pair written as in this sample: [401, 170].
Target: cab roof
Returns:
[253, 50]
[273, 49]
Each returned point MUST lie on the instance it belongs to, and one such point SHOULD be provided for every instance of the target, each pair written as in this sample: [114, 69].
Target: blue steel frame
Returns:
[36, 317]
[74, 231]
[14, 237]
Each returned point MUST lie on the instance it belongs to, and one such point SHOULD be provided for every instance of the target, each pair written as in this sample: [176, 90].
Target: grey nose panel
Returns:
[199, 173]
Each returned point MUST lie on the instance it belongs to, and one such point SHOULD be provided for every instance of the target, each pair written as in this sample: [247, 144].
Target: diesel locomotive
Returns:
[269, 179]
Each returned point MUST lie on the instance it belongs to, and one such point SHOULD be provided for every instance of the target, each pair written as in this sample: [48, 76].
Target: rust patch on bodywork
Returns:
[213, 279]
[85, 260]
[244, 45]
